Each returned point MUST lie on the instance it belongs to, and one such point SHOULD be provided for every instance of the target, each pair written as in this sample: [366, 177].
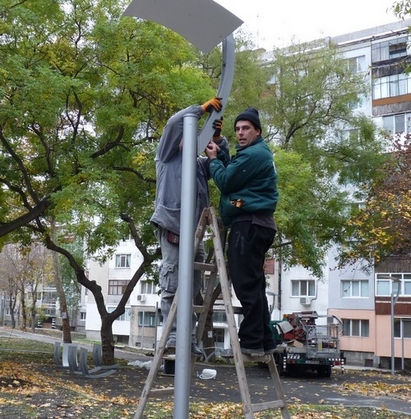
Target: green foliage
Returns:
[402, 8]
[309, 215]
[326, 151]
[381, 228]
[85, 94]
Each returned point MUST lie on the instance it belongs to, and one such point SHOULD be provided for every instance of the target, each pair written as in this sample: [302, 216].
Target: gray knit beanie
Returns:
[250, 114]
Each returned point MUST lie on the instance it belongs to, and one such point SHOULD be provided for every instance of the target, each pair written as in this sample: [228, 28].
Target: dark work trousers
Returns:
[247, 246]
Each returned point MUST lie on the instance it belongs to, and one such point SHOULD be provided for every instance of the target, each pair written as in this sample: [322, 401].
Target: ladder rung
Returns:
[165, 390]
[274, 404]
[264, 358]
[209, 267]
[236, 310]
[199, 309]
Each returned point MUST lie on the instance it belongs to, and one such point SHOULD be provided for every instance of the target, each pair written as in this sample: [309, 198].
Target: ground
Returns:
[32, 386]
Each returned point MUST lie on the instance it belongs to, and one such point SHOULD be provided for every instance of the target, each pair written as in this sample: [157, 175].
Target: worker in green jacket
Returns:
[249, 195]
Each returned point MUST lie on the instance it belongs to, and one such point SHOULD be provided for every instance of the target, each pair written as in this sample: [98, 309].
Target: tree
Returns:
[402, 8]
[324, 150]
[9, 282]
[25, 271]
[382, 226]
[83, 93]
[84, 97]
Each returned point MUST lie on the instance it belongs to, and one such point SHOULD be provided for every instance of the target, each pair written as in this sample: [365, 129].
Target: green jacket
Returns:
[247, 182]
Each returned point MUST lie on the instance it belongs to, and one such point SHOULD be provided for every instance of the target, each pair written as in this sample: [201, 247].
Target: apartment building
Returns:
[368, 303]
[364, 300]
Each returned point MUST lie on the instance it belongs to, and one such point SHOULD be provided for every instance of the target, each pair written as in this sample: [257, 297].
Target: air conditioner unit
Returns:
[305, 301]
[141, 297]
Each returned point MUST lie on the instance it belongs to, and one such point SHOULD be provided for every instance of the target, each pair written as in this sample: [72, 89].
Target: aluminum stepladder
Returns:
[208, 221]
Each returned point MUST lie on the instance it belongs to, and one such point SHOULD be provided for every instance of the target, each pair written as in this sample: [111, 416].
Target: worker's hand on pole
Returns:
[212, 150]
[213, 104]
[218, 126]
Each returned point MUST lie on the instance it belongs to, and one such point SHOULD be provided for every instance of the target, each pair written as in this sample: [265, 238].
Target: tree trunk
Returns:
[33, 320]
[107, 319]
[60, 291]
[107, 340]
[12, 316]
[24, 310]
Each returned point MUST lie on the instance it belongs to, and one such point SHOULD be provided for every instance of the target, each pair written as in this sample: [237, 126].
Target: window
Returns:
[83, 315]
[402, 327]
[123, 261]
[356, 64]
[391, 86]
[147, 319]
[303, 288]
[219, 338]
[148, 287]
[406, 288]
[50, 296]
[385, 286]
[125, 317]
[388, 50]
[354, 288]
[353, 327]
[219, 317]
[351, 134]
[116, 286]
[360, 103]
[397, 50]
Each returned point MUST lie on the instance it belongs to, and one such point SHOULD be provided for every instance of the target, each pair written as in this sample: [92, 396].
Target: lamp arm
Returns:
[224, 89]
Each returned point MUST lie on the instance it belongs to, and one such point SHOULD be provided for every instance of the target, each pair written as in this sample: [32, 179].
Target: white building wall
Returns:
[102, 273]
[290, 303]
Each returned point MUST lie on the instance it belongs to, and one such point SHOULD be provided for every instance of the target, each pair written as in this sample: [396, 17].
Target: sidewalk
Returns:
[124, 352]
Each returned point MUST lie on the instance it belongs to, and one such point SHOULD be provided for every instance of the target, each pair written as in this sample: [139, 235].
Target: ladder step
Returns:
[202, 266]
[247, 358]
[275, 404]
[159, 391]
[264, 358]
[199, 309]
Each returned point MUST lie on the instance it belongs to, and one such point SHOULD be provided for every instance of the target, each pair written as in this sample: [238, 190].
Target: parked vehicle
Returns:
[307, 341]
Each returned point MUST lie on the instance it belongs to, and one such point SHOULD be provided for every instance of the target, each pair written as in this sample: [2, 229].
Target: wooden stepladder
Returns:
[208, 222]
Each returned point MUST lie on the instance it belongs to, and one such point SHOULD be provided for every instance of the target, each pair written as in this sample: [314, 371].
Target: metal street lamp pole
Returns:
[186, 269]
[394, 299]
[205, 24]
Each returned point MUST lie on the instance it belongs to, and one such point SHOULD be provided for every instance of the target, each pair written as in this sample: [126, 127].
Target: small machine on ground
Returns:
[307, 341]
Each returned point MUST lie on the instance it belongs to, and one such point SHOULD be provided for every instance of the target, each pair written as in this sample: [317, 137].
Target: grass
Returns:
[30, 387]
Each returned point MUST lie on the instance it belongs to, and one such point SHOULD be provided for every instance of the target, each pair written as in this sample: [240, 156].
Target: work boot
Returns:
[171, 346]
[196, 351]
[253, 352]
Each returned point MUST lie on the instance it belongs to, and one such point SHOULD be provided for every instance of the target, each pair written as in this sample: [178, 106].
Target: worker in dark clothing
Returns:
[249, 195]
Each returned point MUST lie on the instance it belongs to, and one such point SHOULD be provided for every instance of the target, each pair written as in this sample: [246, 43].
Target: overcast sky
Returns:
[278, 22]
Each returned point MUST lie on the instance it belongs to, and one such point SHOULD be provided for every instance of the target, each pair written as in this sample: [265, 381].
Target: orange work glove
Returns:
[218, 126]
[213, 104]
